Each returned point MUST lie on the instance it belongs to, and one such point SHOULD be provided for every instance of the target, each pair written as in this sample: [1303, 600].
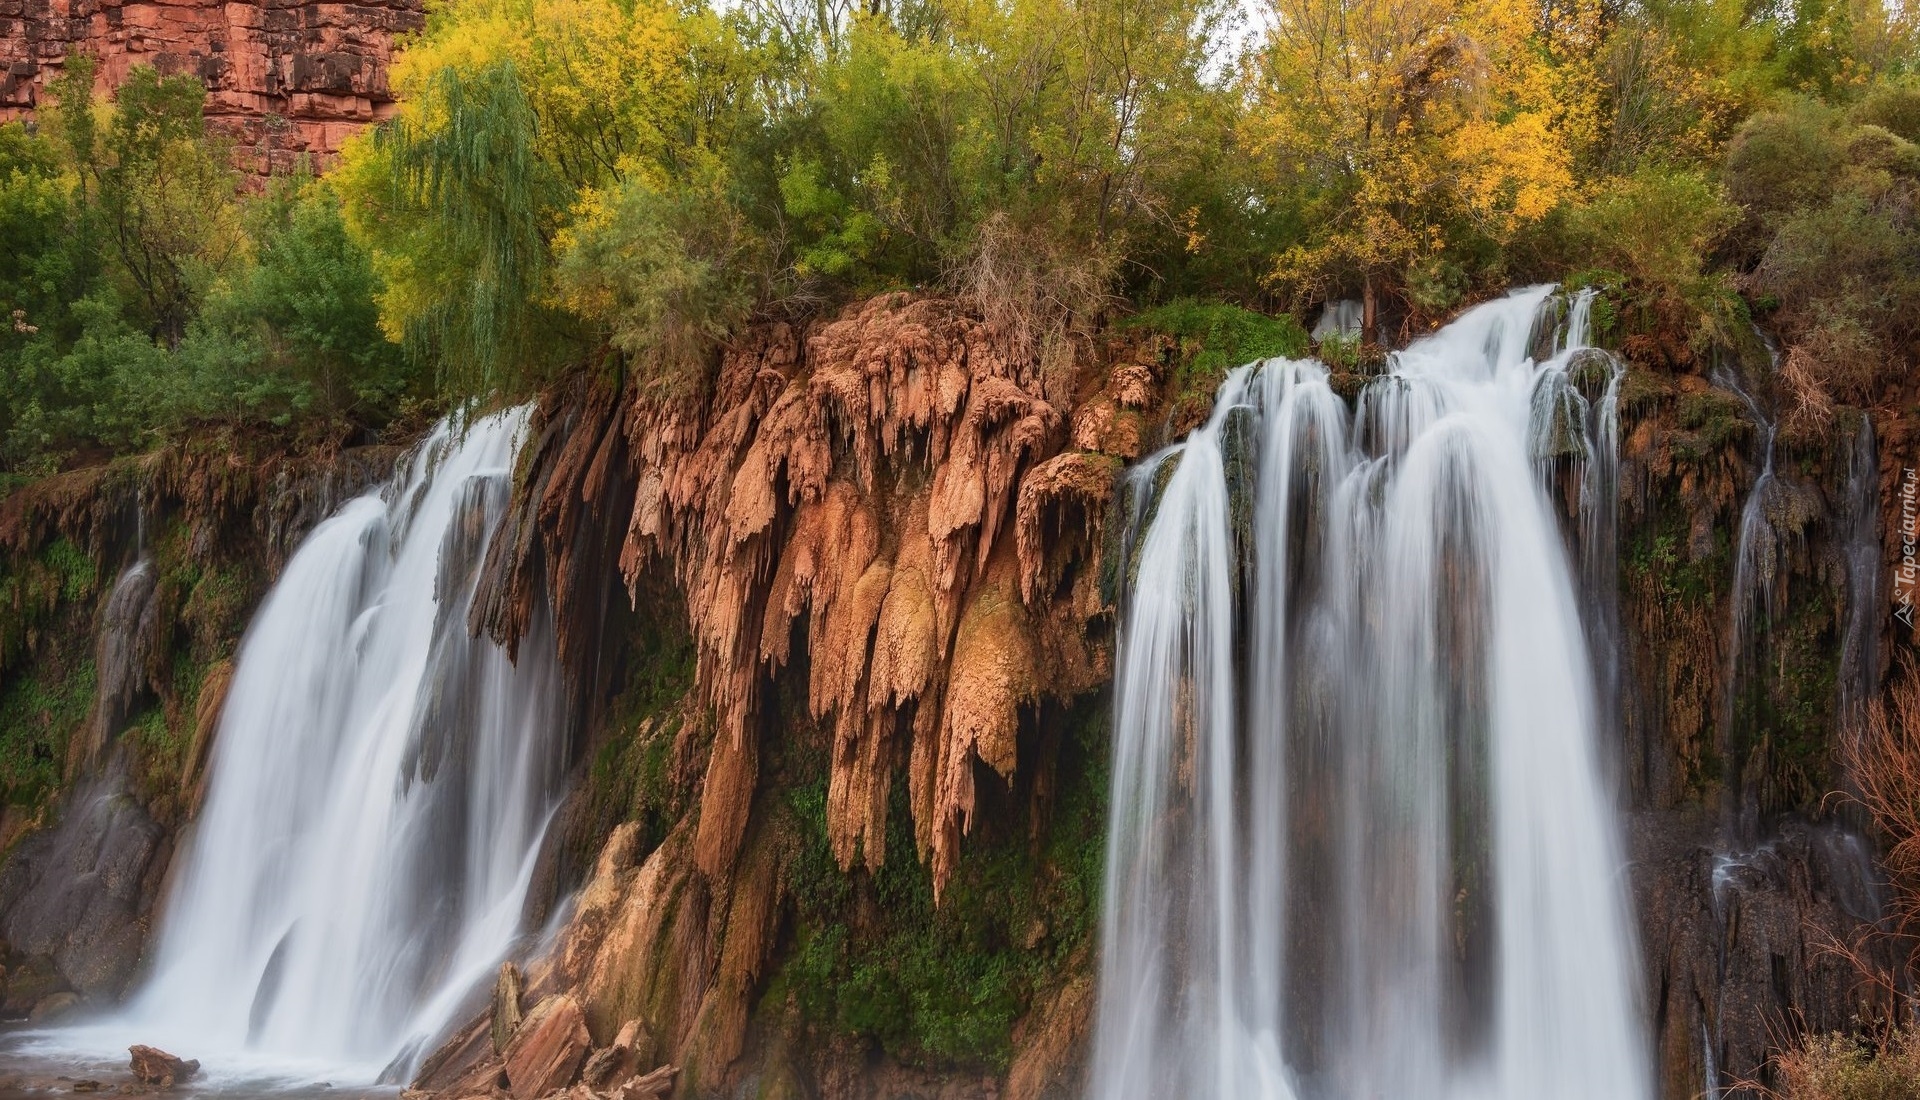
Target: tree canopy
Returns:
[621, 184]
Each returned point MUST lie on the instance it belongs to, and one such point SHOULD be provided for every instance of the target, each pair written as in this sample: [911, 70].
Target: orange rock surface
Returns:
[285, 78]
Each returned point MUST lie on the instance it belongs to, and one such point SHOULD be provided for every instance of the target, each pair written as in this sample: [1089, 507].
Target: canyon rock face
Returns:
[885, 550]
[284, 79]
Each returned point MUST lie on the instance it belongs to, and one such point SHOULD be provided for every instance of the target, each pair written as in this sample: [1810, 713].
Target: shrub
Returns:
[668, 274]
[1786, 159]
[1893, 107]
[1657, 227]
[1841, 1067]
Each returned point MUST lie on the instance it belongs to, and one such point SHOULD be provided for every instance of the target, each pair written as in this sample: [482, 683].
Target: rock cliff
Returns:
[285, 78]
[837, 631]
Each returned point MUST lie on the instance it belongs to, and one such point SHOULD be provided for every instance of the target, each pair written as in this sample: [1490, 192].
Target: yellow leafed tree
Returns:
[1412, 123]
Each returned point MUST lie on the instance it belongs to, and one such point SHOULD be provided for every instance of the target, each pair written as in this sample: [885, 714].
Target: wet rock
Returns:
[547, 1049]
[507, 992]
[77, 895]
[53, 1006]
[1737, 938]
[152, 1066]
[28, 983]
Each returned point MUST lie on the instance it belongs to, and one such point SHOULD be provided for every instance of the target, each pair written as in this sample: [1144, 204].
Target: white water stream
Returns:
[379, 787]
[1360, 841]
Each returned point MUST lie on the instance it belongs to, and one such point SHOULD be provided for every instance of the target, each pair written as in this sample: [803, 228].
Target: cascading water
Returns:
[1360, 845]
[379, 787]
[1756, 560]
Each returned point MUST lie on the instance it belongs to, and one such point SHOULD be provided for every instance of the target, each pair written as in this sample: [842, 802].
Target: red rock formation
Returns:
[548, 1048]
[284, 78]
[888, 488]
[152, 1066]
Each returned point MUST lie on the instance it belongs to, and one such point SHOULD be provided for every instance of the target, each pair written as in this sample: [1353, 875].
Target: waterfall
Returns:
[379, 787]
[1360, 844]
[1756, 563]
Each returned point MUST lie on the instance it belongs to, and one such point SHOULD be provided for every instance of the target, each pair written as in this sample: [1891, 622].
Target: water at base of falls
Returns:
[379, 787]
[1360, 845]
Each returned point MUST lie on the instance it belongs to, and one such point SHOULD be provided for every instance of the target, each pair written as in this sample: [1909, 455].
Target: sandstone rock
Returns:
[656, 1085]
[152, 1066]
[547, 1048]
[53, 1006]
[507, 991]
[285, 78]
[484, 1080]
[601, 1065]
[631, 1049]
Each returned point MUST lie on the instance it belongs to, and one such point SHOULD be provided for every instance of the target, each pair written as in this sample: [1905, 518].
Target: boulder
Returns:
[631, 1049]
[484, 1080]
[152, 1066]
[507, 992]
[657, 1085]
[547, 1048]
[53, 1006]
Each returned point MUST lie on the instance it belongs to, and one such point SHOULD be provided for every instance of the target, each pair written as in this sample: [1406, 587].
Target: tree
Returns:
[1413, 125]
[165, 194]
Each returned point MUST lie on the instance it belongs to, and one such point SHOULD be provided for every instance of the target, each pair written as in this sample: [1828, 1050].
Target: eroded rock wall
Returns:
[285, 78]
[836, 632]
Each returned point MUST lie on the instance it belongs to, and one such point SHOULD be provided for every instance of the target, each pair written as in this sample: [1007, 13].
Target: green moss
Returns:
[217, 606]
[33, 588]
[1655, 555]
[1643, 390]
[1214, 337]
[1785, 705]
[1713, 421]
[1604, 314]
[39, 713]
[77, 573]
[631, 777]
[941, 985]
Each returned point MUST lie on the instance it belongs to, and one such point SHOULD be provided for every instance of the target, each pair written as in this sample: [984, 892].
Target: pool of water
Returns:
[39, 1063]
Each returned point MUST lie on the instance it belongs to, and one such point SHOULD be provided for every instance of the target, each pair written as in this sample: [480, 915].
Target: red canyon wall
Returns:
[285, 78]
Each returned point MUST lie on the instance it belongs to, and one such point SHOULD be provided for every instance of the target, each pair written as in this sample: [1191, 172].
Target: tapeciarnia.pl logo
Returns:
[1907, 576]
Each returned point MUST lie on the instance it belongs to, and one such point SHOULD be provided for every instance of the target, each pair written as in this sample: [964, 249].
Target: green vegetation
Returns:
[143, 294]
[38, 715]
[621, 184]
[872, 956]
[1215, 337]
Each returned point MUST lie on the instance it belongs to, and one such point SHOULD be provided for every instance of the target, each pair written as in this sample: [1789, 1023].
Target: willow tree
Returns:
[518, 119]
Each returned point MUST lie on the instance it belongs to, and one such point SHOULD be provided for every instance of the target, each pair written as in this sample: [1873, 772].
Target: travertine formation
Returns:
[285, 78]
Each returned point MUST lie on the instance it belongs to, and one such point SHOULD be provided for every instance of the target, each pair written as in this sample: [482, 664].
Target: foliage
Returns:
[668, 273]
[942, 985]
[625, 183]
[1843, 1067]
[1839, 264]
[144, 294]
[1214, 337]
[1414, 130]
[1656, 227]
